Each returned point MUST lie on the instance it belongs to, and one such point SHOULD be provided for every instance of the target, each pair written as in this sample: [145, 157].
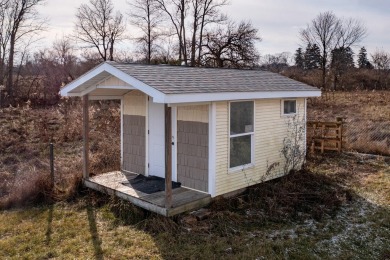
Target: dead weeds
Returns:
[366, 116]
[359, 173]
[24, 145]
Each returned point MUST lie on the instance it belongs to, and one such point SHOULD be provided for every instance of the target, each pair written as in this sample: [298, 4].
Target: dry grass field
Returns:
[338, 207]
[24, 145]
[366, 116]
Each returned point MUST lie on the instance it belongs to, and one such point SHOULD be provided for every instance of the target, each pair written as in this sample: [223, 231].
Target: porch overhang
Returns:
[95, 83]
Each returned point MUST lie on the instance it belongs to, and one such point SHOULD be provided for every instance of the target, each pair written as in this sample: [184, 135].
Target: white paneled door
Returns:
[156, 124]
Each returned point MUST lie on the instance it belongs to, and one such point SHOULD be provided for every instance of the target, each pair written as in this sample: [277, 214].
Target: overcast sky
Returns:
[278, 21]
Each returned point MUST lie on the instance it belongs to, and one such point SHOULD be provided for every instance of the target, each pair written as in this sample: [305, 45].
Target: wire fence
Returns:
[367, 136]
[371, 136]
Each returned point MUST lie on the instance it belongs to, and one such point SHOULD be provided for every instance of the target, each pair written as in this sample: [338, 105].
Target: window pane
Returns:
[241, 117]
[240, 150]
[289, 107]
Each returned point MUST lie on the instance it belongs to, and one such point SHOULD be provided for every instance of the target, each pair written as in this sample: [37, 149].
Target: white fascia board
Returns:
[158, 96]
[207, 97]
[134, 83]
[65, 91]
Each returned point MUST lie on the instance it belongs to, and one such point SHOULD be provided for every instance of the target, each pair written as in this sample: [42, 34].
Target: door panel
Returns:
[156, 125]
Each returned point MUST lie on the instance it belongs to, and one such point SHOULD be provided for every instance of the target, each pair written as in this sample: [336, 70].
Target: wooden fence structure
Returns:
[325, 136]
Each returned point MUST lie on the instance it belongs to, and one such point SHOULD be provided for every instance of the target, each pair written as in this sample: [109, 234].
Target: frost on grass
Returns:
[352, 228]
[353, 231]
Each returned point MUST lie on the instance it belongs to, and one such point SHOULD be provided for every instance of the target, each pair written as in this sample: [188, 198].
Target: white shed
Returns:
[203, 132]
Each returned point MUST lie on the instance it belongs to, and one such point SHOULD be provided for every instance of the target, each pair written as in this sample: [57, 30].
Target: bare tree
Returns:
[276, 62]
[176, 10]
[147, 16]
[46, 71]
[19, 21]
[231, 46]
[204, 12]
[189, 18]
[4, 38]
[329, 32]
[3, 45]
[381, 62]
[99, 27]
[196, 13]
[63, 54]
[210, 13]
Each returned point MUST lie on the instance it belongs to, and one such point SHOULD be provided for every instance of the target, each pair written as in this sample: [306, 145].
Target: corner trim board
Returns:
[212, 148]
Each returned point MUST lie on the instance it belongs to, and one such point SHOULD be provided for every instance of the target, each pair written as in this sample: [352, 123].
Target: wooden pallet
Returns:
[325, 136]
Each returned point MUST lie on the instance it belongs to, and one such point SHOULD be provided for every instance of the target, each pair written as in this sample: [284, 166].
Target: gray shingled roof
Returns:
[183, 80]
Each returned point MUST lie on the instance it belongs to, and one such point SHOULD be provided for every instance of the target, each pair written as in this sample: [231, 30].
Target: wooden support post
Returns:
[85, 137]
[168, 157]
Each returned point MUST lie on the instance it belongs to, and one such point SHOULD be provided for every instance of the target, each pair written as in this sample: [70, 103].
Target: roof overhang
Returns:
[90, 84]
[207, 97]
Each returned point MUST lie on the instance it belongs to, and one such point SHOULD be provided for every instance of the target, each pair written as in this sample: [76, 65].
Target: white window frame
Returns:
[282, 107]
[252, 134]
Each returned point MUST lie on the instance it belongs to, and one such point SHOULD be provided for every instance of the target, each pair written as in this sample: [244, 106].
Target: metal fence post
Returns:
[340, 120]
[52, 163]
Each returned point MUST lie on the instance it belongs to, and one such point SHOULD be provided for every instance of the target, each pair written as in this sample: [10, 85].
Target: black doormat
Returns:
[149, 185]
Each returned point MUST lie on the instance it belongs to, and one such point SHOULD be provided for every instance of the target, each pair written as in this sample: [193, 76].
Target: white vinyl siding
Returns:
[113, 82]
[270, 130]
[134, 103]
[199, 113]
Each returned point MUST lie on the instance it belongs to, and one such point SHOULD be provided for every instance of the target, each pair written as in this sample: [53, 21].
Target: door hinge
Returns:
[148, 132]
[148, 165]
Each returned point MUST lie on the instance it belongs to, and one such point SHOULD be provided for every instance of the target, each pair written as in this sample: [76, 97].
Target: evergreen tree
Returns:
[341, 62]
[363, 62]
[299, 59]
[342, 58]
[312, 57]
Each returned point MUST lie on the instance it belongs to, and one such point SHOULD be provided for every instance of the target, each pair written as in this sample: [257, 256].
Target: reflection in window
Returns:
[241, 133]
[289, 107]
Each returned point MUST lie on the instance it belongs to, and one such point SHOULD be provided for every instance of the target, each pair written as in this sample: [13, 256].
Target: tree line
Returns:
[327, 59]
[345, 70]
[189, 32]
[176, 32]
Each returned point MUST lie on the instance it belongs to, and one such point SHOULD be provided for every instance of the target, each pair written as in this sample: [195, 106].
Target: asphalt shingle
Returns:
[184, 80]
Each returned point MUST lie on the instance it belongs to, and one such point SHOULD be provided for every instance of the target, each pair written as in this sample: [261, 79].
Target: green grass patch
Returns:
[277, 219]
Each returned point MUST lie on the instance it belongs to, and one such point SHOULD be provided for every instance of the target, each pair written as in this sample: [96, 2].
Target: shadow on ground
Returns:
[338, 208]
[307, 214]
